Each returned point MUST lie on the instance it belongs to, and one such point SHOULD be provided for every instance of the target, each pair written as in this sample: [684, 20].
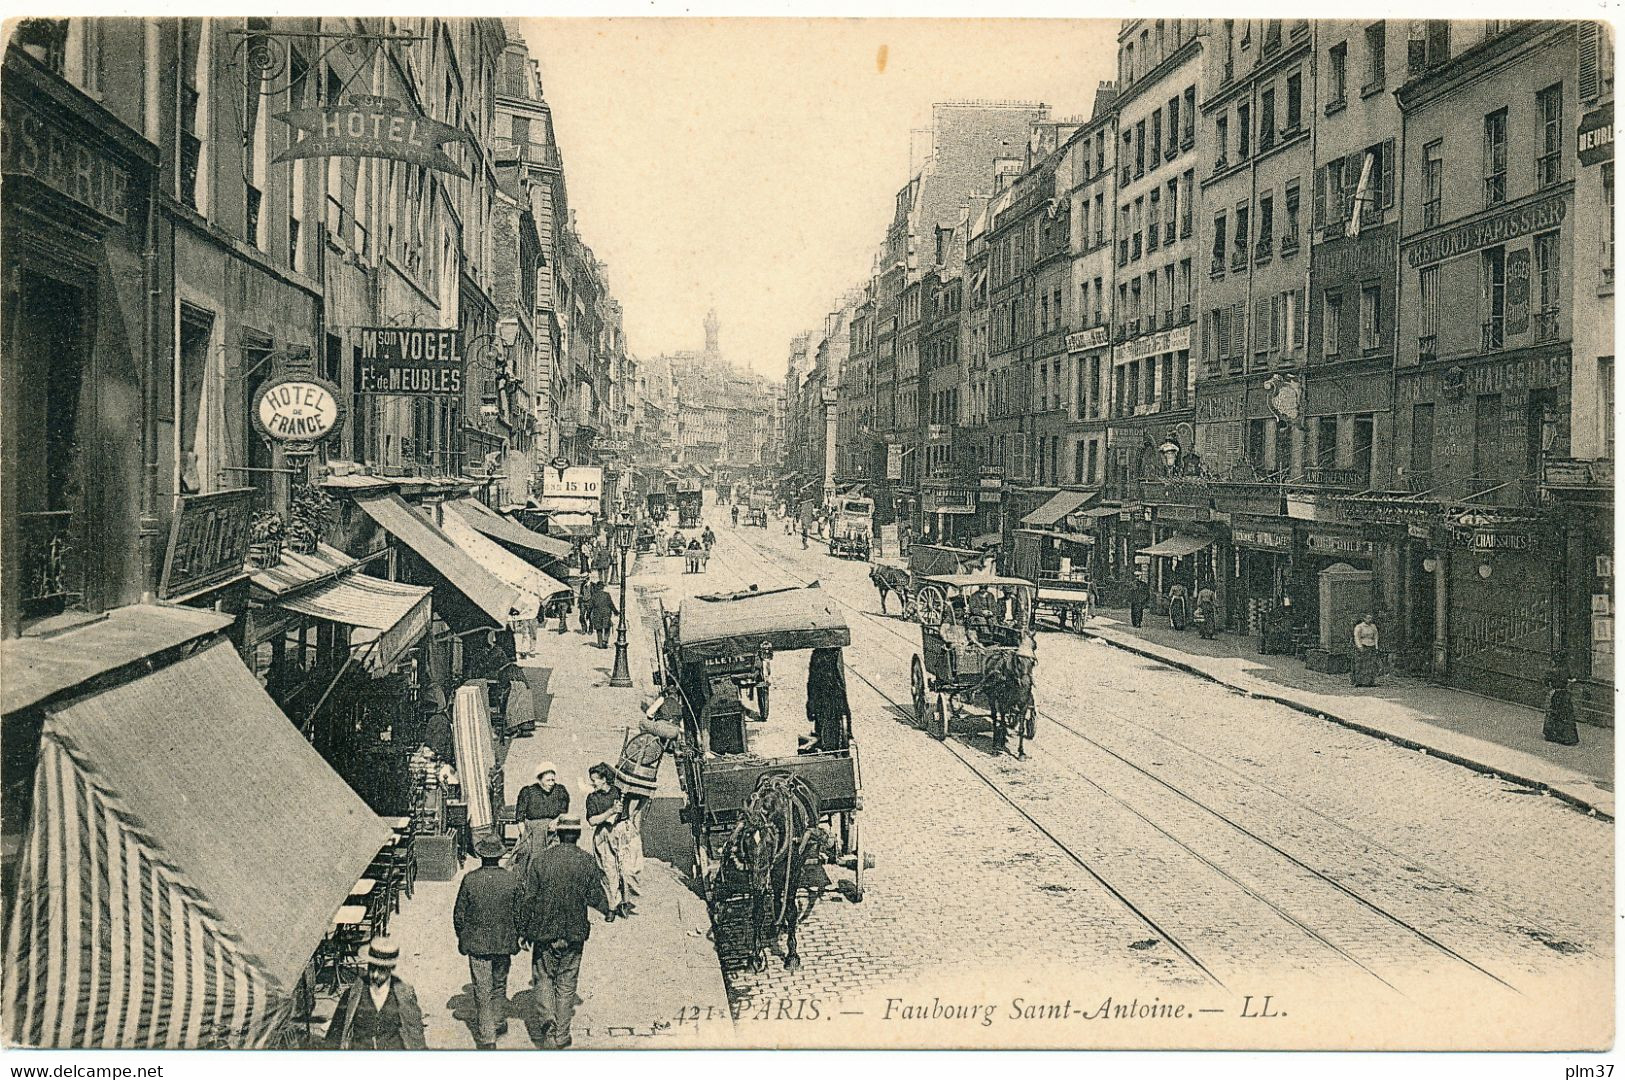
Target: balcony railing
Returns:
[1289, 243]
[52, 562]
[1333, 479]
[1427, 347]
[1546, 325]
[1492, 335]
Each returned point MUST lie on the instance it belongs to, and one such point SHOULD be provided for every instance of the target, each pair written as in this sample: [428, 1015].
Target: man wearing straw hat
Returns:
[559, 885]
[379, 1012]
[484, 919]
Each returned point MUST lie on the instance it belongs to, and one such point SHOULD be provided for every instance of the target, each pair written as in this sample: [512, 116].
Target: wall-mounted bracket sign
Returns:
[365, 125]
[298, 411]
[410, 360]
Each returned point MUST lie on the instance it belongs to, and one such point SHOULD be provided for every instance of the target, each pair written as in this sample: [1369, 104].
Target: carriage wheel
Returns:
[916, 682]
[944, 716]
[931, 606]
[1080, 616]
[911, 608]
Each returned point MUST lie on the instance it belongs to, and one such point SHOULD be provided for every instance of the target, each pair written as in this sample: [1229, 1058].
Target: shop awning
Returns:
[497, 599]
[397, 613]
[1178, 546]
[571, 525]
[294, 571]
[1059, 506]
[986, 540]
[535, 587]
[1070, 538]
[481, 517]
[188, 849]
[1095, 513]
[476, 754]
[33, 669]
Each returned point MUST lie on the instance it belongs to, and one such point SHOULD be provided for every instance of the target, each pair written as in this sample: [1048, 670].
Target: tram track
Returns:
[1312, 885]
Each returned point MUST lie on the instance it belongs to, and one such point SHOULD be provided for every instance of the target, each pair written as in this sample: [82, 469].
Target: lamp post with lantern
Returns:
[621, 673]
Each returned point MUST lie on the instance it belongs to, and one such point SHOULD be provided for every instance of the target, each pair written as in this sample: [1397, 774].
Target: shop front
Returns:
[1502, 630]
[1261, 567]
[950, 511]
[1583, 494]
[1333, 580]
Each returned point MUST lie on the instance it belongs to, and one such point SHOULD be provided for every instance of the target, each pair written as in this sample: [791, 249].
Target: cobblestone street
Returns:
[1164, 837]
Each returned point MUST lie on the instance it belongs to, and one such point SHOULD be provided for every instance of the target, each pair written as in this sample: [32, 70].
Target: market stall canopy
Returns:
[396, 613]
[787, 619]
[1178, 546]
[1095, 513]
[496, 598]
[187, 851]
[497, 527]
[1059, 506]
[535, 587]
[571, 525]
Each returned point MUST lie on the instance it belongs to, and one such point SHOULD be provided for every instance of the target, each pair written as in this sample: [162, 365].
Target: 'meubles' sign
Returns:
[410, 360]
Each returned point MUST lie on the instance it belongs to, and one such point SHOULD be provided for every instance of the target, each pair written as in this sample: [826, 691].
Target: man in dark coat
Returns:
[1139, 595]
[380, 1012]
[601, 614]
[559, 886]
[583, 596]
[487, 933]
[603, 561]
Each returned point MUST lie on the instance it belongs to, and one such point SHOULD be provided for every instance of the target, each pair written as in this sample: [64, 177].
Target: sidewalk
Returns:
[639, 976]
[1481, 733]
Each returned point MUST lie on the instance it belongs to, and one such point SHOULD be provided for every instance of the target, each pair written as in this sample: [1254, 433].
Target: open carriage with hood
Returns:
[765, 826]
[977, 654]
[902, 579]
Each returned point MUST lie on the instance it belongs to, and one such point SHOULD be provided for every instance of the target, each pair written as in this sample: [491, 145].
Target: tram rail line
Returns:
[1396, 921]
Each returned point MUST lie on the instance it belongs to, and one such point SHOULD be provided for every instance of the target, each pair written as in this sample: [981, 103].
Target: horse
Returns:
[1007, 684]
[881, 586]
[778, 835]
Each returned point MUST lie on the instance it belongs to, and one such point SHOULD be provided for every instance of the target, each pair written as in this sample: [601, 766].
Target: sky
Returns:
[752, 164]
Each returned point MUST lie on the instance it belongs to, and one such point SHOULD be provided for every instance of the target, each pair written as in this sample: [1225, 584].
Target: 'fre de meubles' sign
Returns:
[410, 360]
[369, 126]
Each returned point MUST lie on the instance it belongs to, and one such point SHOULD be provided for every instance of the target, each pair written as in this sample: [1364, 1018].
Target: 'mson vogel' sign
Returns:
[410, 360]
[1463, 239]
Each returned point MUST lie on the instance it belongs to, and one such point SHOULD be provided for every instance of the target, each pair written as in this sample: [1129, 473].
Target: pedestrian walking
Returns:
[1559, 727]
[378, 1011]
[606, 816]
[708, 538]
[1363, 672]
[804, 531]
[560, 884]
[1179, 606]
[601, 613]
[583, 598]
[692, 556]
[733, 512]
[602, 562]
[485, 920]
[1139, 595]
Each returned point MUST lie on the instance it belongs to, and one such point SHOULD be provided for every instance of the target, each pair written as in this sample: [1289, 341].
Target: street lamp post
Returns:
[621, 674]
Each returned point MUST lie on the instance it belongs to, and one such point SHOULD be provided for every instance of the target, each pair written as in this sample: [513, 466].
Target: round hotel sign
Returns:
[298, 411]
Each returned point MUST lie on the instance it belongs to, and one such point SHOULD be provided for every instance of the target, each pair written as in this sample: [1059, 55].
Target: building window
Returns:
[1218, 242]
[1187, 138]
[1549, 163]
[1337, 76]
[1266, 225]
[1365, 434]
[1242, 236]
[1370, 318]
[1494, 274]
[1289, 233]
[1432, 181]
[1266, 120]
[194, 109]
[1139, 149]
[1547, 273]
[1427, 330]
[1495, 158]
[1156, 137]
[1221, 139]
[1244, 132]
[1436, 49]
[1376, 57]
[1173, 126]
[1331, 323]
[1325, 442]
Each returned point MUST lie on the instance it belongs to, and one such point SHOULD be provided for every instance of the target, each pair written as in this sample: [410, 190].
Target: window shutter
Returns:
[1320, 197]
[1277, 316]
[1353, 165]
[1238, 329]
[1298, 323]
[1388, 173]
[1588, 60]
[1261, 322]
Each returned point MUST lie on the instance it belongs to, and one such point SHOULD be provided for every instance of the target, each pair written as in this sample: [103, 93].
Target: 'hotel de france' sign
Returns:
[369, 126]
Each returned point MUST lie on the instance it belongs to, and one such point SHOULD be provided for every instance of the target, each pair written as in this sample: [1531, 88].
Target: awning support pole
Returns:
[348, 660]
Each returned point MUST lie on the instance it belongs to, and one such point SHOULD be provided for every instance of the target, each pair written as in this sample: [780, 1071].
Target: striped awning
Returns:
[571, 525]
[471, 735]
[1058, 507]
[186, 851]
[1178, 546]
[294, 571]
[492, 524]
[498, 600]
[396, 614]
[534, 586]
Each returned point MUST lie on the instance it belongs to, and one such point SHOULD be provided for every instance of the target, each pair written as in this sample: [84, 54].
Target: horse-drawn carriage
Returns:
[851, 527]
[1068, 595]
[655, 505]
[765, 827]
[760, 503]
[902, 578]
[977, 655]
[690, 501]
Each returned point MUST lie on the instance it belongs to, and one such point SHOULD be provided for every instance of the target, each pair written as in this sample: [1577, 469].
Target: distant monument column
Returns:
[712, 326]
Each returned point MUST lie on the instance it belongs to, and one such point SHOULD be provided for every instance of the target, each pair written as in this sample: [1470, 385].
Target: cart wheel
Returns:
[943, 718]
[1080, 618]
[916, 682]
[857, 872]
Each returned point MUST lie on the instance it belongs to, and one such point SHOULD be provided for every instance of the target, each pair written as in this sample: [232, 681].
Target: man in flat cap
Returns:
[559, 885]
[487, 933]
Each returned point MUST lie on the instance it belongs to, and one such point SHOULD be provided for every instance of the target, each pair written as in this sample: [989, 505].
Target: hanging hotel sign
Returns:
[298, 411]
[208, 539]
[376, 127]
[1464, 239]
[410, 360]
